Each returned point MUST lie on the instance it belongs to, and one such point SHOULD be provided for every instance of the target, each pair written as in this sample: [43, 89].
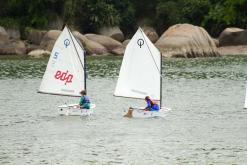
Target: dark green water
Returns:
[230, 67]
[207, 124]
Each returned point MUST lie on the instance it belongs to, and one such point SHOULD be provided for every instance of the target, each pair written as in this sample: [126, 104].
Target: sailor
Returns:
[84, 100]
[151, 104]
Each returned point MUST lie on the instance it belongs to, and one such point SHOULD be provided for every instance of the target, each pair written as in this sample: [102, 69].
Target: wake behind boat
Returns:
[66, 72]
[141, 74]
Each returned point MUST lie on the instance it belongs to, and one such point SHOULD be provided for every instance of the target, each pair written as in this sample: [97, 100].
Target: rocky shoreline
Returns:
[180, 40]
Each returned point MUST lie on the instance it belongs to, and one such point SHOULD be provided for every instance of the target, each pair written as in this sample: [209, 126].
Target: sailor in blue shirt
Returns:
[84, 100]
[151, 105]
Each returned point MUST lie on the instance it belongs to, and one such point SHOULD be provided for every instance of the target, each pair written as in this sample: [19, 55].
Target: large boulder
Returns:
[49, 39]
[19, 47]
[34, 36]
[216, 42]
[233, 36]
[4, 37]
[39, 53]
[150, 33]
[31, 47]
[14, 33]
[233, 50]
[110, 44]
[126, 42]
[10, 46]
[185, 40]
[118, 51]
[91, 47]
[13, 47]
[113, 32]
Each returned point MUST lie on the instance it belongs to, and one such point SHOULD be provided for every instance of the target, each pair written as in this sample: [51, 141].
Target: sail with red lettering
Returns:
[64, 74]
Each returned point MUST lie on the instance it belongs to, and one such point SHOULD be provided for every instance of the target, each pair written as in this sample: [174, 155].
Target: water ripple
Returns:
[230, 67]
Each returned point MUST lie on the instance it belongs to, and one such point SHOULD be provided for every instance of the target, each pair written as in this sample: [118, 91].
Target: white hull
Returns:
[140, 113]
[74, 110]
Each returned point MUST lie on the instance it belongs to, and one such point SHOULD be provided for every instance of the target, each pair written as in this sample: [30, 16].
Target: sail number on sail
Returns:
[64, 76]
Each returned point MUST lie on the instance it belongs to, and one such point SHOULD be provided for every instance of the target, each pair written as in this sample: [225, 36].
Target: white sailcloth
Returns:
[64, 74]
[140, 70]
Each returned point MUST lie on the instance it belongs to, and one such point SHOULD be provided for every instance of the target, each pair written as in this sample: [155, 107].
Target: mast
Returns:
[85, 73]
[84, 57]
[160, 80]
[70, 33]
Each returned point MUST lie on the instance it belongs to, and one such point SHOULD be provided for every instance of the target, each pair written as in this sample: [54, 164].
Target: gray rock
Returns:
[216, 41]
[13, 47]
[125, 43]
[91, 47]
[13, 33]
[110, 44]
[233, 36]
[118, 51]
[31, 47]
[19, 47]
[4, 37]
[34, 36]
[233, 50]
[150, 33]
[39, 53]
[49, 39]
[113, 32]
[185, 40]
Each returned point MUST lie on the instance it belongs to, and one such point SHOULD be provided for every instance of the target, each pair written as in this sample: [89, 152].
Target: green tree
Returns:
[31, 13]
[90, 15]
[180, 11]
[226, 13]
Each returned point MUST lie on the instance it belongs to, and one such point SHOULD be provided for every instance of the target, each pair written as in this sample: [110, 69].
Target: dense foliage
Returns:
[89, 15]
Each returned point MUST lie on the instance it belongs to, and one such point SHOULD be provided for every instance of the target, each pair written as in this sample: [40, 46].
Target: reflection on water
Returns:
[207, 124]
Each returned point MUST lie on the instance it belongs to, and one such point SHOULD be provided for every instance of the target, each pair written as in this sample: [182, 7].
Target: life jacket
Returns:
[86, 99]
[153, 102]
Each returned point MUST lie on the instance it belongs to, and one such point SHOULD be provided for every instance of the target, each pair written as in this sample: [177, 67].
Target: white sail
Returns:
[245, 102]
[64, 74]
[140, 70]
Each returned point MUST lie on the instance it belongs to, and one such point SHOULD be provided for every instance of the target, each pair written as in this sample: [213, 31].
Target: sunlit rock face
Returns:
[92, 47]
[49, 39]
[185, 40]
[113, 32]
[113, 46]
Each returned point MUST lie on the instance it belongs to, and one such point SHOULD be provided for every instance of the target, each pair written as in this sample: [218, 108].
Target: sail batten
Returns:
[140, 70]
[64, 74]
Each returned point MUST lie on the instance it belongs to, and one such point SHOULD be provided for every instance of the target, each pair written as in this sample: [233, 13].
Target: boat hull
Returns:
[140, 113]
[75, 110]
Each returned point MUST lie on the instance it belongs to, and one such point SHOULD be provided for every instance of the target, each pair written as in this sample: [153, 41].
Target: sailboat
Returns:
[66, 73]
[141, 75]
